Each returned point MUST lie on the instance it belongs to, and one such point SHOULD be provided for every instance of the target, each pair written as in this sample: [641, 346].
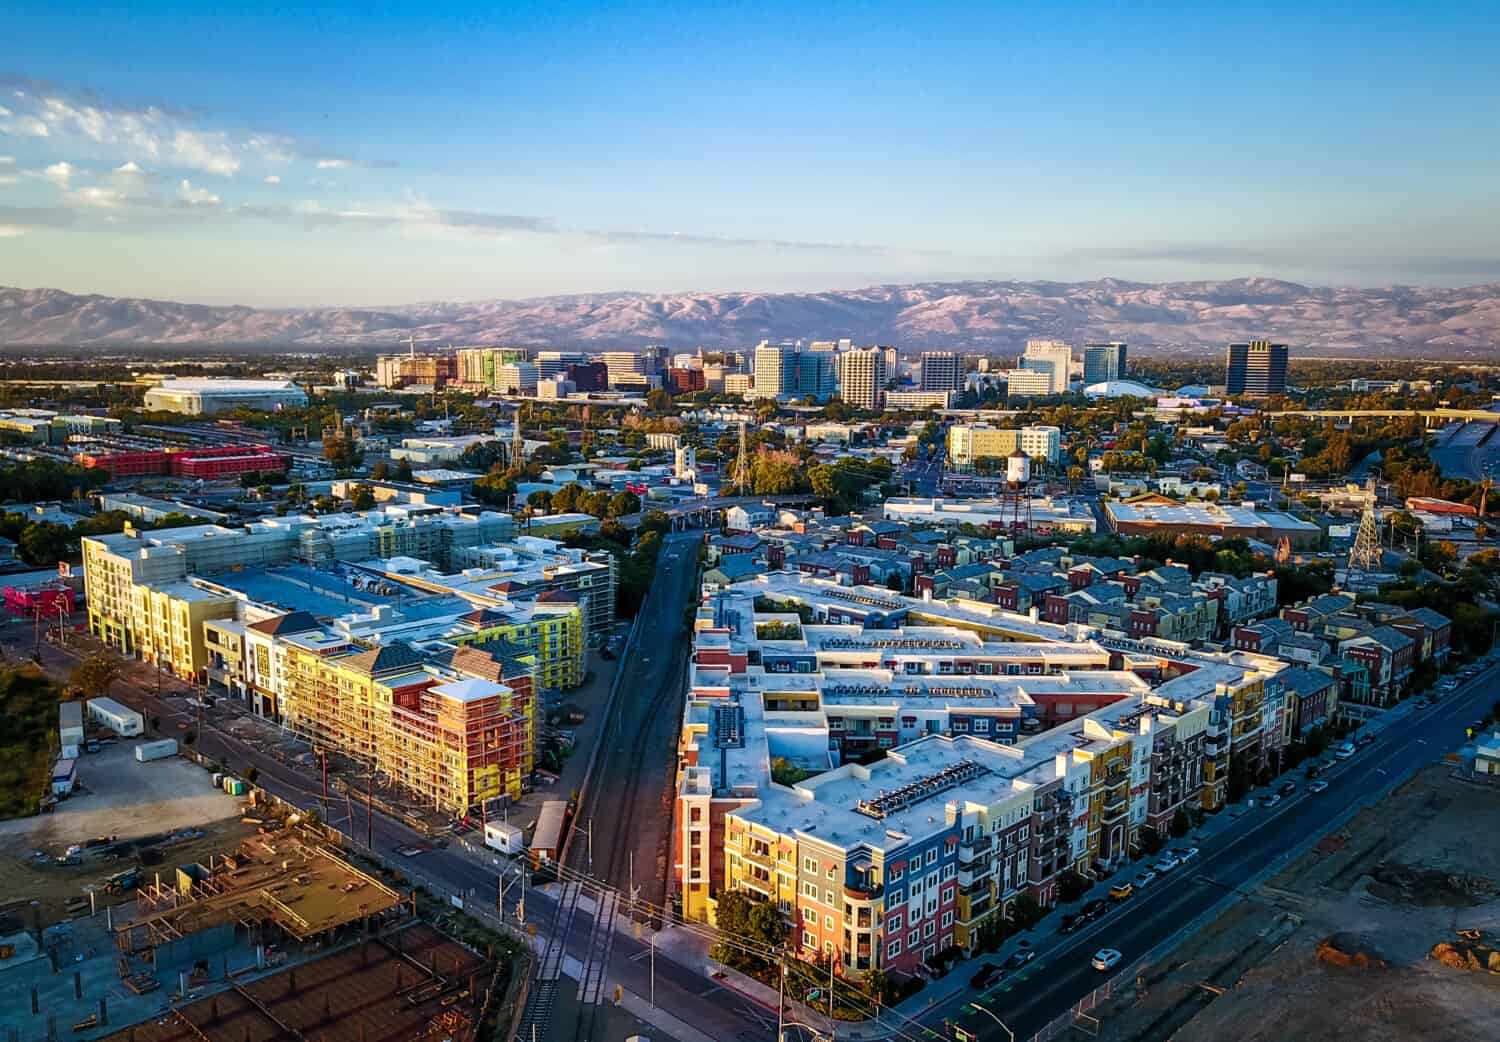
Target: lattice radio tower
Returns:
[742, 464]
[1365, 555]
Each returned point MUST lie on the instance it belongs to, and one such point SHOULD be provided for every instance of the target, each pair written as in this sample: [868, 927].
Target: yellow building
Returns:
[551, 630]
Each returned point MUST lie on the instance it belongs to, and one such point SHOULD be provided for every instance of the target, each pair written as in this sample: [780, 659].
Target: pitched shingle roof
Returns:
[291, 622]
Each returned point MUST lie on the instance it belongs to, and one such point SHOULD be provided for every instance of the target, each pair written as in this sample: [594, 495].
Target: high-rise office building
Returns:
[622, 365]
[555, 363]
[940, 371]
[1050, 356]
[1028, 383]
[786, 371]
[1257, 368]
[862, 378]
[1103, 363]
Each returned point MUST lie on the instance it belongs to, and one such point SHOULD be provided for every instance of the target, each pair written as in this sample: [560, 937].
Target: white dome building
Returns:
[1120, 389]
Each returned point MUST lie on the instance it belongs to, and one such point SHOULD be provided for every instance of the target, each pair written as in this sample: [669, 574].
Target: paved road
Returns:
[1061, 976]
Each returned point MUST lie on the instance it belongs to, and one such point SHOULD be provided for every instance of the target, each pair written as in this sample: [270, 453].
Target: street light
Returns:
[1009, 1033]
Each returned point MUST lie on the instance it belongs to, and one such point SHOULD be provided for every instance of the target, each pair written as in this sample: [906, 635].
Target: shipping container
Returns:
[234, 787]
[157, 750]
[508, 839]
[120, 719]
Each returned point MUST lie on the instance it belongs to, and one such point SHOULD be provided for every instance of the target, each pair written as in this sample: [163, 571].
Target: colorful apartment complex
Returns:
[427, 677]
[1015, 752]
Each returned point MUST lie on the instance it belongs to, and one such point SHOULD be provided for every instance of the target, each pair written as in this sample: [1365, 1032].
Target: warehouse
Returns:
[208, 396]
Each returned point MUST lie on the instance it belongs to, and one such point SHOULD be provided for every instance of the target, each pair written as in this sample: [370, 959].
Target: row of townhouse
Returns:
[982, 795]
[1371, 649]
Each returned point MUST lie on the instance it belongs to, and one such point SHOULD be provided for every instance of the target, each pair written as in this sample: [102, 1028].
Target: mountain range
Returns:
[1175, 317]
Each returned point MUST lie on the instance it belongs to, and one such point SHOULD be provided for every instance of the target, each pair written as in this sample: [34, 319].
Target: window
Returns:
[810, 890]
[947, 919]
[928, 928]
[895, 873]
[897, 897]
[981, 724]
[932, 856]
[914, 938]
[893, 923]
[893, 949]
[810, 916]
[829, 873]
[828, 898]
[810, 940]
[948, 871]
[828, 922]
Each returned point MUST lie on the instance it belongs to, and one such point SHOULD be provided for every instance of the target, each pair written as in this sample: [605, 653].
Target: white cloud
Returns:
[25, 126]
[273, 179]
[59, 174]
[129, 168]
[4, 112]
[273, 148]
[10, 231]
[196, 196]
[94, 197]
[205, 151]
[334, 164]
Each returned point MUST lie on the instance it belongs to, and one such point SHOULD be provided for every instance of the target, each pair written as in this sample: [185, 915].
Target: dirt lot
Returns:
[156, 815]
[1336, 945]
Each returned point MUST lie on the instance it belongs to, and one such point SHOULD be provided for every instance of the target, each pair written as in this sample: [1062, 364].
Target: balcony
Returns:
[970, 849]
[761, 857]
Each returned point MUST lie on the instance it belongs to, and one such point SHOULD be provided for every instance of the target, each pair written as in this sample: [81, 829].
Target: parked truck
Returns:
[157, 750]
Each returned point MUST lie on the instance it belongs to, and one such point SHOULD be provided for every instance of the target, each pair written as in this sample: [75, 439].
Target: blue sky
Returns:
[381, 154]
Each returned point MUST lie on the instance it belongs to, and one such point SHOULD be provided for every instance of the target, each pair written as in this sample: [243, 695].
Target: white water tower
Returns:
[1018, 470]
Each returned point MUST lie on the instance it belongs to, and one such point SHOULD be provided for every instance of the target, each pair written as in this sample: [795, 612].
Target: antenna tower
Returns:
[1365, 555]
[742, 464]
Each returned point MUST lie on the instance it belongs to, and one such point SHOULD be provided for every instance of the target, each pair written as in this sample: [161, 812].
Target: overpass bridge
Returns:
[1431, 417]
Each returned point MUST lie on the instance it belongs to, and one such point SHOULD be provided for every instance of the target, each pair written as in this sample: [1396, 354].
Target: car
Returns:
[1019, 959]
[1286, 788]
[1317, 786]
[1120, 891]
[1146, 878]
[1424, 703]
[1344, 751]
[1070, 923]
[409, 850]
[1366, 739]
[989, 974]
[1270, 801]
[1167, 864]
[1095, 908]
[1184, 854]
[1313, 770]
[1105, 959]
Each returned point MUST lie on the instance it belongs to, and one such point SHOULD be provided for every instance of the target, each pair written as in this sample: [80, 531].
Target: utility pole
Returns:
[370, 810]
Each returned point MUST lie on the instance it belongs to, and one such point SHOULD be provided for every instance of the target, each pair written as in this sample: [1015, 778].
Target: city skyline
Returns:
[343, 158]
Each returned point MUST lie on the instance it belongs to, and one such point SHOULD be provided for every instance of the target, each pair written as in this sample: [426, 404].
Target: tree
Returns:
[342, 452]
[1026, 912]
[363, 498]
[1151, 840]
[44, 543]
[381, 471]
[1182, 824]
[252, 774]
[1071, 886]
[659, 400]
[623, 503]
[754, 922]
[96, 673]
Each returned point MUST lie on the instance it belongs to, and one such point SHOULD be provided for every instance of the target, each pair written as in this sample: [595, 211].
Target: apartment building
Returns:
[770, 803]
[968, 443]
[414, 370]
[862, 378]
[940, 371]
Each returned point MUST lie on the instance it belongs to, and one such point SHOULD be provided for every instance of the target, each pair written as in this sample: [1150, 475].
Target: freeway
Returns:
[1061, 977]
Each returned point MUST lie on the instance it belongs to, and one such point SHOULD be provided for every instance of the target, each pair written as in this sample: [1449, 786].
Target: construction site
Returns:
[1386, 930]
[278, 939]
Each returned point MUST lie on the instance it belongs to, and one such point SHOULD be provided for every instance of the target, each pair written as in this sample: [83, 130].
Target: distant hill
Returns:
[1190, 317]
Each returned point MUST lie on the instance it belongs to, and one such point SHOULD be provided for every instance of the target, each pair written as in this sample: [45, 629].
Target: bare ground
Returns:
[1399, 878]
[156, 815]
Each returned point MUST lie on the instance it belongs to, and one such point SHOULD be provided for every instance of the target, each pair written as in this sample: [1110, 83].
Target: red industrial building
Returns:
[208, 464]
